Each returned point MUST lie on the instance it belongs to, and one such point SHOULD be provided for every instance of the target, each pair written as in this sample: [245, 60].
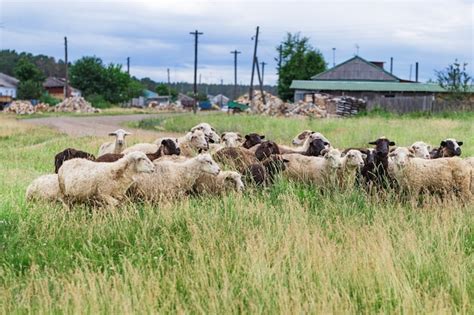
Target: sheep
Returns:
[317, 170]
[310, 136]
[106, 183]
[69, 154]
[382, 148]
[301, 137]
[223, 182]
[167, 147]
[266, 149]
[236, 158]
[264, 173]
[210, 132]
[117, 146]
[228, 140]
[352, 163]
[173, 178]
[421, 149]
[442, 175]
[190, 144]
[448, 148]
[252, 139]
[45, 187]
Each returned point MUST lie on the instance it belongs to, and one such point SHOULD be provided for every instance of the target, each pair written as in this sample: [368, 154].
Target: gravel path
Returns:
[97, 125]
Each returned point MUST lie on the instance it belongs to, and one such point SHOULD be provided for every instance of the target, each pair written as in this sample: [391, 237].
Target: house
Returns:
[220, 100]
[55, 87]
[152, 97]
[8, 89]
[368, 80]
[185, 101]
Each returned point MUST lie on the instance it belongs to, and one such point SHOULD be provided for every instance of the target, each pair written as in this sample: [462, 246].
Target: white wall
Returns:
[4, 91]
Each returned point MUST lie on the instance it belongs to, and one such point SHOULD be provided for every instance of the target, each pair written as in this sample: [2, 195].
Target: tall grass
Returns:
[287, 249]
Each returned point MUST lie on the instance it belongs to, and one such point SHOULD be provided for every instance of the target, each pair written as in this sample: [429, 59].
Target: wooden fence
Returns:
[425, 103]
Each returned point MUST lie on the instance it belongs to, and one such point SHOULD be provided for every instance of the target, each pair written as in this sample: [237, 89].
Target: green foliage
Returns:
[48, 99]
[48, 65]
[31, 79]
[162, 89]
[91, 76]
[98, 101]
[455, 79]
[300, 61]
[29, 90]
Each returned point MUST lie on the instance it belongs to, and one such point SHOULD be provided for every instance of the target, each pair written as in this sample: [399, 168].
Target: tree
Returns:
[88, 75]
[455, 79]
[162, 89]
[31, 80]
[300, 61]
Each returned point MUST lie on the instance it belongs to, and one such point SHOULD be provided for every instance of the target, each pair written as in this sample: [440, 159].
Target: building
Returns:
[8, 89]
[220, 100]
[360, 78]
[55, 87]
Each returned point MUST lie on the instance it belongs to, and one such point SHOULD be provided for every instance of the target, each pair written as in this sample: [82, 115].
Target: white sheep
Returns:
[45, 187]
[208, 130]
[223, 182]
[116, 146]
[301, 137]
[228, 140]
[173, 177]
[421, 149]
[305, 144]
[352, 161]
[314, 169]
[443, 175]
[82, 180]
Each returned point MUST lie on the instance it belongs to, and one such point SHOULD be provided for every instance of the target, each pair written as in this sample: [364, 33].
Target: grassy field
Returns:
[288, 249]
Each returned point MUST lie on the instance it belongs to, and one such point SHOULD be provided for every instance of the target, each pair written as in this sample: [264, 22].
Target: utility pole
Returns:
[128, 65]
[334, 57]
[196, 35]
[66, 87]
[235, 52]
[280, 51]
[169, 86]
[260, 80]
[391, 64]
[411, 66]
[254, 60]
[263, 70]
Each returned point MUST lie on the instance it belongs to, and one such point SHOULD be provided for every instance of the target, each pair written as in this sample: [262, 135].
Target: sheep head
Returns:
[333, 157]
[301, 137]
[169, 147]
[400, 156]
[382, 146]
[354, 159]
[231, 139]
[421, 149]
[119, 135]
[266, 149]
[207, 164]
[140, 161]
[451, 147]
[252, 139]
[209, 131]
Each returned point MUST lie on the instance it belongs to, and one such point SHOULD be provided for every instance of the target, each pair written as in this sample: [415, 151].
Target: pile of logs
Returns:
[26, 108]
[349, 106]
[75, 104]
[271, 106]
[171, 107]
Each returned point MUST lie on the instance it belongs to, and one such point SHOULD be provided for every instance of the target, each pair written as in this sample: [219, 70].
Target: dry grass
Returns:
[288, 249]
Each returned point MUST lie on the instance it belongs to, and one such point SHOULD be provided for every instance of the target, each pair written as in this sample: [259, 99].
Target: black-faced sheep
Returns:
[116, 146]
[266, 149]
[382, 149]
[106, 183]
[69, 154]
[167, 147]
[252, 139]
[447, 148]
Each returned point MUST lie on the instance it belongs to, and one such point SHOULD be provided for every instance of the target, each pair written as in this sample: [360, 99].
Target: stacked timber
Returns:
[75, 104]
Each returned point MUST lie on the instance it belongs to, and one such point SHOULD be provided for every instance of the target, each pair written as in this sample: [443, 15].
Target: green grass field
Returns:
[288, 249]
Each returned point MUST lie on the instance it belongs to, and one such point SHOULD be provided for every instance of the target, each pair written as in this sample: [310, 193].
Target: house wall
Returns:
[8, 91]
[356, 69]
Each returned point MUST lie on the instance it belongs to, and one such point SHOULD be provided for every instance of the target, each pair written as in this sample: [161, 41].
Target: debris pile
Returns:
[20, 108]
[42, 107]
[75, 104]
[316, 105]
[169, 107]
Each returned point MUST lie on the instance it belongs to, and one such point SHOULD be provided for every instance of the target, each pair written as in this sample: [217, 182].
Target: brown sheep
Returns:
[236, 158]
[69, 154]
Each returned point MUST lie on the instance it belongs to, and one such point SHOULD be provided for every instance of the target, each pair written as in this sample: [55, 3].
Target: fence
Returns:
[425, 103]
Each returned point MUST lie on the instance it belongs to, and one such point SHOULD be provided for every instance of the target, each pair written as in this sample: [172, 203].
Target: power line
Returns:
[196, 35]
[235, 52]
[254, 60]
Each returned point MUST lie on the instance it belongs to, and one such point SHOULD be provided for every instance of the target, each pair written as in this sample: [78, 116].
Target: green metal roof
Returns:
[365, 86]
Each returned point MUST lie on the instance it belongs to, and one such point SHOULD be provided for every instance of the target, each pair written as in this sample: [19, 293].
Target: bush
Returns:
[98, 101]
[48, 99]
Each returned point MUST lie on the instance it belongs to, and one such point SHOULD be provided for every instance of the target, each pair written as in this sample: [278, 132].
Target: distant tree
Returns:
[455, 79]
[31, 80]
[162, 89]
[300, 61]
[88, 75]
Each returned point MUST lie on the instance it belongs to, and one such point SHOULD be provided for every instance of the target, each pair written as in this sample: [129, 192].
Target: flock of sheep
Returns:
[193, 163]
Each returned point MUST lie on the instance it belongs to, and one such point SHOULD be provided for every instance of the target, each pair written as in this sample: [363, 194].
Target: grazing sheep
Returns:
[352, 163]
[224, 181]
[442, 176]
[301, 137]
[193, 143]
[167, 147]
[69, 154]
[228, 140]
[210, 132]
[252, 139]
[106, 183]
[266, 149]
[317, 170]
[309, 138]
[448, 148]
[117, 146]
[45, 187]
[421, 149]
[382, 148]
[149, 148]
[236, 158]
[173, 178]
[264, 173]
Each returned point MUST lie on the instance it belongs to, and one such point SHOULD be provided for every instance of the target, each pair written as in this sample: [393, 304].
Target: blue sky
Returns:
[155, 34]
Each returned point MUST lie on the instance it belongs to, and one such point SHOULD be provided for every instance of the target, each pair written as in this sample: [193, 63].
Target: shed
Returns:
[55, 87]
[8, 88]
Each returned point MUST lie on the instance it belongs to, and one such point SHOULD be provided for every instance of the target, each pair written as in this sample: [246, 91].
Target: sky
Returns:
[155, 34]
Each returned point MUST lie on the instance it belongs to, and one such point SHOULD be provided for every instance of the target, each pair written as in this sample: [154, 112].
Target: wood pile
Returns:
[307, 109]
[273, 105]
[20, 108]
[75, 104]
[171, 107]
[349, 106]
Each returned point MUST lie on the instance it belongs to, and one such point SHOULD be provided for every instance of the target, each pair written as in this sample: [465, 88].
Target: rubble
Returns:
[76, 104]
[20, 108]
[171, 107]
[316, 105]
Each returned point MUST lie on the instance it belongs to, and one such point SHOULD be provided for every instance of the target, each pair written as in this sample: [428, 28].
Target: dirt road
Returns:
[97, 125]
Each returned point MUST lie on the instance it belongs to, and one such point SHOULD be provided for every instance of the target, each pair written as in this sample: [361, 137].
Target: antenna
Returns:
[357, 49]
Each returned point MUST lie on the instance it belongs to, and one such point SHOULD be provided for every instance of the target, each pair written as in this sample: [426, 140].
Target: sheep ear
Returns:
[392, 149]
[127, 133]
[392, 154]
[411, 150]
[373, 142]
[391, 143]
[324, 151]
[443, 143]
[223, 135]
[343, 154]
[247, 137]
[210, 140]
[262, 137]
[429, 148]
[286, 161]
[460, 143]
[326, 143]
[112, 134]
[364, 156]
[163, 142]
